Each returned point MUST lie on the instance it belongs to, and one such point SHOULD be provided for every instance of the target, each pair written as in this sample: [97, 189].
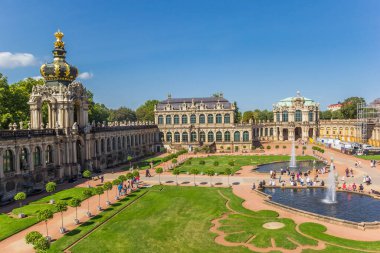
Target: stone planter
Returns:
[99, 208]
[21, 215]
[52, 201]
[117, 198]
[48, 238]
[76, 221]
[62, 230]
[108, 203]
[88, 214]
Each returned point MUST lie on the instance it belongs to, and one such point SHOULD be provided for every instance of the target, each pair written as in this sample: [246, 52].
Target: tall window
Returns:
[266, 131]
[8, 161]
[219, 136]
[113, 143]
[298, 116]
[210, 118]
[210, 136]
[24, 159]
[202, 136]
[202, 119]
[176, 119]
[311, 116]
[227, 136]
[193, 137]
[168, 136]
[168, 119]
[49, 154]
[219, 119]
[176, 137]
[184, 119]
[102, 148]
[185, 137]
[278, 115]
[245, 136]
[193, 119]
[237, 136]
[271, 131]
[37, 156]
[160, 119]
[227, 119]
[285, 116]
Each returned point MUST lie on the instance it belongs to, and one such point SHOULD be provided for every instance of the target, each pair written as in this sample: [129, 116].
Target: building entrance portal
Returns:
[285, 134]
[297, 133]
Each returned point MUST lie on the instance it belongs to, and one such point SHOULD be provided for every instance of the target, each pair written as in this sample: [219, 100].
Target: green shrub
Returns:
[231, 163]
[284, 147]
[188, 162]
[174, 160]
[296, 146]
[269, 147]
[32, 237]
[261, 147]
[216, 163]
[277, 146]
[202, 162]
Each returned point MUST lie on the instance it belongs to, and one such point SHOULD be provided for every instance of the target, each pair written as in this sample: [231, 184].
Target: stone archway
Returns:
[297, 133]
[285, 134]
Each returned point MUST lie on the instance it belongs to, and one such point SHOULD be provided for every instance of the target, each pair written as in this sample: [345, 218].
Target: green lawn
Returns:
[369, 157]
[145, 163]
[178, 219]
[10, 225]
[238, 162]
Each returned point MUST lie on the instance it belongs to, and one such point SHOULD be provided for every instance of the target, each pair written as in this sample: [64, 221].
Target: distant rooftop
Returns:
[210, 102]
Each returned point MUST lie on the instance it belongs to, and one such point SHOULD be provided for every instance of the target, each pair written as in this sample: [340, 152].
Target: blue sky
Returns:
[255, 52]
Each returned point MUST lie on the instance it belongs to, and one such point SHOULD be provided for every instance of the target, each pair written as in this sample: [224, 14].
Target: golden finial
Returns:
[59, 43]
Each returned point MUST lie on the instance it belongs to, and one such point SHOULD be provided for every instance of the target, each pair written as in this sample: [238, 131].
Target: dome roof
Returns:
[289, 100]
[59, 71]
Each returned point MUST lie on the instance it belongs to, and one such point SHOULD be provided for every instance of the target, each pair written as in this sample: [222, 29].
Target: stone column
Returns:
[1, 164]
[17, 160]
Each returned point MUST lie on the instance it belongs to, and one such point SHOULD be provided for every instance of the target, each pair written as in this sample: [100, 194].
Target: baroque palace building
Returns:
[33, 153]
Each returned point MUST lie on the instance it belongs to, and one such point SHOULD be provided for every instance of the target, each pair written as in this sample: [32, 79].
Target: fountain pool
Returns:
[348, 206]
[300, 165]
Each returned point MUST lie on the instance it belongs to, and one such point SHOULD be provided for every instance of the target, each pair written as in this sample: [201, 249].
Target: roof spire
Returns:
[298, 94]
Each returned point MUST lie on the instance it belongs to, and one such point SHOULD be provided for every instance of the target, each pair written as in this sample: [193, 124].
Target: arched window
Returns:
[219, 136]
[193, 119]
[108, 145]
[237, 136]
[37, 156]
[160, 119]
[202, 119]
[176, 119]
[8, 161]
[123, 142]
[271, 131]
[311, 116]
[227, 136]
[24, 159]
[202, 136]
[193, 136]
[49, 154]
[219, 119]
[184, 119]
[210, 136]
[278, 116]
[227, 119]
[118, 143]
[245, 136]
[168, 136]
[210, 118]
[176, 137]
[113, 143]
[168, 120]
[285, 116]
[185, 137]
[298, 116]
[266, 132]
[96, 148]
[102, 147]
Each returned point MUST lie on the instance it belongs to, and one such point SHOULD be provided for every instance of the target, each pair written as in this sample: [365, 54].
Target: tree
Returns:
[176, 173]
[99, 191]
[116, 182]
[228, 172]
[87, 174]
[121, 114]
[122, 178]
[50, 188]
[61, 207]
[75, 202]
[325, 115]
[194, 172]
[32, 237]
[107, 187]
[45, 215]
[87, 193]
[247, 116]
[210, 173]
[146, 111]
[41, 245]
[98, 113]
[237, 113]
[159, 171]
[20, 197]
[349, 107]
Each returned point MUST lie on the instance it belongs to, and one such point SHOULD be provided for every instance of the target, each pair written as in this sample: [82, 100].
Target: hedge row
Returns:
[318, 149]
[175, 155]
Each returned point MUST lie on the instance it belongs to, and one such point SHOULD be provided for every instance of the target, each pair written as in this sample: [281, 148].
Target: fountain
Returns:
[293, 163]
[331, 191]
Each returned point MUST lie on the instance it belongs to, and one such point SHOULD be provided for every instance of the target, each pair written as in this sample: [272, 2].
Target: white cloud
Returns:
[85, 75]
[14, 60]
[34, 77]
